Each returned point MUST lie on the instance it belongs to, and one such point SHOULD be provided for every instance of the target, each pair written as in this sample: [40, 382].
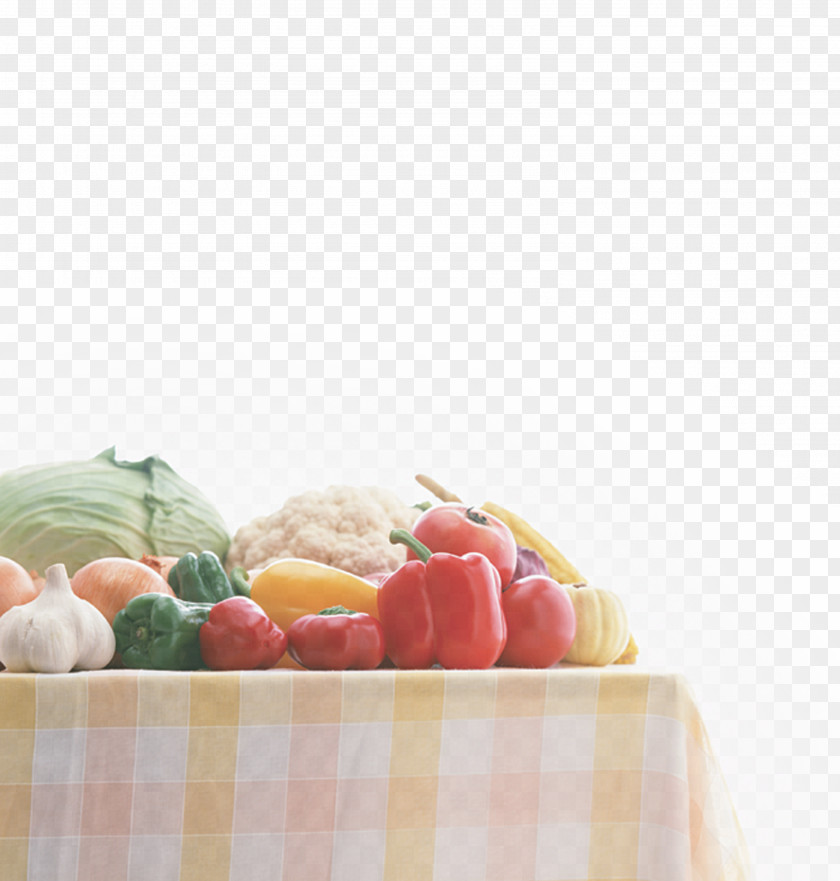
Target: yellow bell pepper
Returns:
[291, 588]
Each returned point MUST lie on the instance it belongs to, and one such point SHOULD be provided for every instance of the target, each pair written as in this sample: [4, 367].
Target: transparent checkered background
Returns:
[585, 266]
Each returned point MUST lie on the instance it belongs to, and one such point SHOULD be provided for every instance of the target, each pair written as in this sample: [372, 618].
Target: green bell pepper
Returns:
[239, 581]
[200, 579]
[159, 632]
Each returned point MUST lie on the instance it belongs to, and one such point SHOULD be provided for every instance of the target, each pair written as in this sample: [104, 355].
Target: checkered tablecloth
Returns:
[568, 773]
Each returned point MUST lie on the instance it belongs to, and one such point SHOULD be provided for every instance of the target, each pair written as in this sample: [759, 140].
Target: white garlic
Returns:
[56, 632]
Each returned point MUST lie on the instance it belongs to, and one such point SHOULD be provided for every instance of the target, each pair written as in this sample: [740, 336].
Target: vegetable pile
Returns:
[349, 578]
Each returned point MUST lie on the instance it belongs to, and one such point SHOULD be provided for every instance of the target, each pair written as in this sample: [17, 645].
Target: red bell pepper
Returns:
[442, 608]
[337, 639]
[238, 635]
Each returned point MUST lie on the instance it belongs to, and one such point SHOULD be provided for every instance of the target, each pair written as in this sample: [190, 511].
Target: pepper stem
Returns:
[337, 610]
[404, 537]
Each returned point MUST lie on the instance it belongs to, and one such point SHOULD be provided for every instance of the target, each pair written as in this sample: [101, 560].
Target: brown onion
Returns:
[110, 582]
[161, 565]
[16, 585]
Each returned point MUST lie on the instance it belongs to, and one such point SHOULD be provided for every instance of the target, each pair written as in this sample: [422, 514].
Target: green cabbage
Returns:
[75, 512]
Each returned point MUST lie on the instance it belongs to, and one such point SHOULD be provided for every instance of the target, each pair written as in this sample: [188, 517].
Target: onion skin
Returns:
[16, 585]
[110, 582]
[529, 562]
[161, 565]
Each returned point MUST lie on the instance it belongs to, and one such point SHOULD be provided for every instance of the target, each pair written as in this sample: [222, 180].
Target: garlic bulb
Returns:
[56, 632]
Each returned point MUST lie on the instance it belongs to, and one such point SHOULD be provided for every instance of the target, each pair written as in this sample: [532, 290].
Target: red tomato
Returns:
[337, 639]
[454, 528]
[541, 623]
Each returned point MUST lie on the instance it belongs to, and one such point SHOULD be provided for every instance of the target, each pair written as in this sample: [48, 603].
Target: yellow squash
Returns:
[290, 588]
[603, 631]
[630, 653]
[559, 568]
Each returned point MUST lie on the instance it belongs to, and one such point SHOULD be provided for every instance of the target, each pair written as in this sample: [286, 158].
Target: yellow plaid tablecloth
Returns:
[546, 775]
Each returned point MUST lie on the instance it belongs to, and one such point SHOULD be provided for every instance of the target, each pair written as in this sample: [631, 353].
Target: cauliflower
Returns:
[343, 526]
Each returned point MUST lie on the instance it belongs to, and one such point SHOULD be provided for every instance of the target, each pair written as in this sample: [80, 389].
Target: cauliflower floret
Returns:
[343, 526]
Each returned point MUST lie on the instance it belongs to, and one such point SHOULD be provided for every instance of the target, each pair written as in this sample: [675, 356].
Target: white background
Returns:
[583, 266]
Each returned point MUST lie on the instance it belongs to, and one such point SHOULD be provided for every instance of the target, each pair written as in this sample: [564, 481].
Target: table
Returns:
[558, 775]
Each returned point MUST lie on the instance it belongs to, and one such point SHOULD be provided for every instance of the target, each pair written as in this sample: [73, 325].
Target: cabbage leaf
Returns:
[75, 512]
